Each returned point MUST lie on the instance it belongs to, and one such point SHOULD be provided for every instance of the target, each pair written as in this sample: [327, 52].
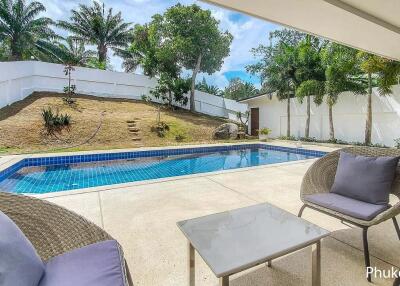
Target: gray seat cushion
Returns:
[98, 264]
[348, 206]
[19, 263]
[367, 179]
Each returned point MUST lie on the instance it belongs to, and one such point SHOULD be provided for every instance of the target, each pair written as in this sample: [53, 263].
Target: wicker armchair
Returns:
[51, 229]
[319, 179]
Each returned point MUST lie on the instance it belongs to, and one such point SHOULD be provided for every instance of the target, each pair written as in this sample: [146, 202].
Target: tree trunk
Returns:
[16, 55]
[170, 99]
[102, 53]
[331, 127]
[195, 72]
[368, 123]
[307, 132]
[288, 117]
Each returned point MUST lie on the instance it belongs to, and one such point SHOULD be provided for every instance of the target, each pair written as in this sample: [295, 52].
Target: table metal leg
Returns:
[191, 264]
[316, 264]
[224, 281]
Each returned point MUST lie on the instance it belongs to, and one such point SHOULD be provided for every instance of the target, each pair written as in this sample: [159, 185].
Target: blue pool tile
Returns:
[52, 174]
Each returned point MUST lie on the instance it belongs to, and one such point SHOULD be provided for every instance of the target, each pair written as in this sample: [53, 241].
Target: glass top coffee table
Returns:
[233, 241]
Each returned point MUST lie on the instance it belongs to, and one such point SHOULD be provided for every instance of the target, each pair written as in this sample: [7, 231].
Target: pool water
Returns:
[55, 178]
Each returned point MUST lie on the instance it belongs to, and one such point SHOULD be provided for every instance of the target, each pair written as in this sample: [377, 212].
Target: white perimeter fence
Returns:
[20, 79]
[349, 116]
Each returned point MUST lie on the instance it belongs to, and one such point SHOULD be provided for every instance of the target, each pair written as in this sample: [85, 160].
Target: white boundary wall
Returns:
[349, 116]
[20, 79]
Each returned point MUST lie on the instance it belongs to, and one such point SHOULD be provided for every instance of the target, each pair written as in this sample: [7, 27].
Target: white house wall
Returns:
[20, 79]
[349, 116]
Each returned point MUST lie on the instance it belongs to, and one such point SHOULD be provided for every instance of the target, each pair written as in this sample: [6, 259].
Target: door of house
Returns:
[255, 121]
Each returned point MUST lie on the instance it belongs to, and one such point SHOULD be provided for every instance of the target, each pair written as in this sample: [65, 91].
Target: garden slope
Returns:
[22, 129]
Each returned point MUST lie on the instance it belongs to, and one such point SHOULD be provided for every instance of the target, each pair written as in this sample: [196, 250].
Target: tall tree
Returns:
[158, 58]
[386, 73]
[238, 89]
[195, 37]
[22, 29]
[342, 74]
[151, 51]
[278, 66]
[311, 75]
[96, 26]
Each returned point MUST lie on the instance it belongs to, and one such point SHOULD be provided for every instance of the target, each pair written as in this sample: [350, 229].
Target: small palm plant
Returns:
[21, 28]
[69, 90]
[96, 26]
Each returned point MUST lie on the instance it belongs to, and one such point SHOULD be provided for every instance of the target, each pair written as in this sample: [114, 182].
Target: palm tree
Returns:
[342, 74]
[21, 28]
[280, 75]
[311, 74]
[238, 89]
[386, 73]
[93, 25]
[211, 89]
[307, 89]
[70, 51]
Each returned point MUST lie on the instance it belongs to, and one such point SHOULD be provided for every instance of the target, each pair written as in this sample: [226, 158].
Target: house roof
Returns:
[369, 25]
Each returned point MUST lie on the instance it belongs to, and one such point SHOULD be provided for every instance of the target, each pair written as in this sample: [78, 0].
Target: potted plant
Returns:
[263, 133]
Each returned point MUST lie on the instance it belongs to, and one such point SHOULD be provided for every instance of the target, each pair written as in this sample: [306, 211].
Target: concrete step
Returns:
[130, 121]
[136, 139]
[131, 124]
[133, 129]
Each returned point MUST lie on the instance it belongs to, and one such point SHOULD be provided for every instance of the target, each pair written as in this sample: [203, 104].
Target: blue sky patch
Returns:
[243, 75]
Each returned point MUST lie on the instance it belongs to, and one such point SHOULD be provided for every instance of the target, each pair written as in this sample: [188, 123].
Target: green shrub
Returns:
[292, 138]
[180, 137]
[264, 131]
[53, 121]
[308, 139]
[161, 129]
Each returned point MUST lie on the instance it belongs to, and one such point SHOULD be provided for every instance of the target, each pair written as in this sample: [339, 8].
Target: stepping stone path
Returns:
[134, 130]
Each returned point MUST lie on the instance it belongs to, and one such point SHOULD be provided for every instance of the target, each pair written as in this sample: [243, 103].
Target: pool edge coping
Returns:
[14, 161]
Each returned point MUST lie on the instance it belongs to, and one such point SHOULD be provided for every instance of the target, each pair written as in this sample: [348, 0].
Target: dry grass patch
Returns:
[22, 128]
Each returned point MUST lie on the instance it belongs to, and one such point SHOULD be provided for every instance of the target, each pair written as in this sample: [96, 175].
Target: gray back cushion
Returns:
[97, 264]
[19, 263]
[367, 179]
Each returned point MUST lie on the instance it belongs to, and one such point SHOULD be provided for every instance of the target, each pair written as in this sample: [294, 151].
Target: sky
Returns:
[248, 32]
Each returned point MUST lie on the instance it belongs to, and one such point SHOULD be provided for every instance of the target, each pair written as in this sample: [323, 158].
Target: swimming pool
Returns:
[61, 173]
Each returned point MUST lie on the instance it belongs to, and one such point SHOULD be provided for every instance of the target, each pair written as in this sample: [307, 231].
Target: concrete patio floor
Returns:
[143, 219]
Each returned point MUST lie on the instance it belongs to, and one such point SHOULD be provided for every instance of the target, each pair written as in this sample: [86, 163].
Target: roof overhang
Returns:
[256, 97]
[369, 25]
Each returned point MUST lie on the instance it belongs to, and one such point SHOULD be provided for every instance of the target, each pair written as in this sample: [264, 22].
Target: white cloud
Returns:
[248, 32]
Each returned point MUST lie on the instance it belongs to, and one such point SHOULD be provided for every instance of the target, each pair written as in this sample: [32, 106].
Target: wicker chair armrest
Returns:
[51, 229]
[388, 214]
[320, 176]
